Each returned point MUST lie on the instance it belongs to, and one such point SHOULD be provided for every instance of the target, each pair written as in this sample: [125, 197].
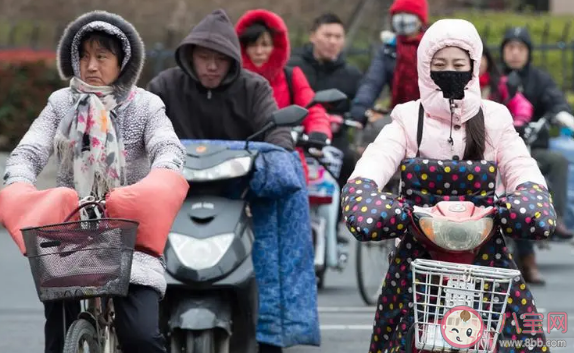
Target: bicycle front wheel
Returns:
[81, 338]
[372, 266]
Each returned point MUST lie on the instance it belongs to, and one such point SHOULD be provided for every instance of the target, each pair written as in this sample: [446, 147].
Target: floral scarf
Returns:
[88, 140]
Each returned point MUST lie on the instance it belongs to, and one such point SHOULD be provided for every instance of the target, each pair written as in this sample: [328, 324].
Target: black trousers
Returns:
[136, 322]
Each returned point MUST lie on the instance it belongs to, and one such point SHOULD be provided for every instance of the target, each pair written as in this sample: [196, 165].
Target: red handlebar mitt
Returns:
[153, 202]
[24, 206]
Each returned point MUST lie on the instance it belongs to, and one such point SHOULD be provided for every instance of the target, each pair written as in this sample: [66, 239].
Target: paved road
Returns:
[345, 320]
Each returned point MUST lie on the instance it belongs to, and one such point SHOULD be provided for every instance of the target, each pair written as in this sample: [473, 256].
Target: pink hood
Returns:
[449, 33]
[398, 140]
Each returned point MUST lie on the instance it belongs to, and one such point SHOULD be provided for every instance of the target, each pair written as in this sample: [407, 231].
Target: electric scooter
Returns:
[211, 302]
[448, 288]
[324, 166]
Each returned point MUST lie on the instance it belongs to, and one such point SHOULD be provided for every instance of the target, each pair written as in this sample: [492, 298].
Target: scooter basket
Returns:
[481, 291]
[332, 158]
[80, 260]
[321, 185]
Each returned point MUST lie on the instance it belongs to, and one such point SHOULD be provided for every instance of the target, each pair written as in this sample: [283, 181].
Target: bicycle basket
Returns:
[83, 259]
[442, 291]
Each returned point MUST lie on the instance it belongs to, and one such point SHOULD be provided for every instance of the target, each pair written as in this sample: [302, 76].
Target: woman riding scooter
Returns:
[265, 49]
[110, 138]
[462, 147]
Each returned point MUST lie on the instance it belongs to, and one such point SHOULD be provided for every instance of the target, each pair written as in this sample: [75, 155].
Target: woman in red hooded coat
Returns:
[265, 50]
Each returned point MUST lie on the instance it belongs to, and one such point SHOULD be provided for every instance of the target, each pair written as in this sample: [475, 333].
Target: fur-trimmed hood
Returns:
[132, 45]
[281, 47]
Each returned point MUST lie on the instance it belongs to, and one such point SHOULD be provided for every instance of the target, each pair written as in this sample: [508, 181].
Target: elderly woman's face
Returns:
[98, 65]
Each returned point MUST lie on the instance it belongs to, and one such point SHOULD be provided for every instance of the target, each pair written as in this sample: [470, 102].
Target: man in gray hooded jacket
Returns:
[209, 95]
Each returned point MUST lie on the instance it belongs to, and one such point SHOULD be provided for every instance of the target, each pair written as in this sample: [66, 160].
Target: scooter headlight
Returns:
[456, 236]
[199, 254]
[231, 168]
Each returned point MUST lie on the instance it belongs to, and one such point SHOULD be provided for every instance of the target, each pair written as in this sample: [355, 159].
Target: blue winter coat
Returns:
[283, 251]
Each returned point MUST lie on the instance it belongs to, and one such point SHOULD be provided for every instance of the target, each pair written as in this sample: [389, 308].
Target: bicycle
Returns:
[88, 260]
[378, 252]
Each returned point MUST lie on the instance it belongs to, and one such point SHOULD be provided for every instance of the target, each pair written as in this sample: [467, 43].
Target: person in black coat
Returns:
[541, 90]
[325, 67]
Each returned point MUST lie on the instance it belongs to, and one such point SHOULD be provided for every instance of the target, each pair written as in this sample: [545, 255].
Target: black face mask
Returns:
[452, 83]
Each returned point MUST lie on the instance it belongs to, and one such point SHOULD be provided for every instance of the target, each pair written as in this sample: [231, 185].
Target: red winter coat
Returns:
[273, 71]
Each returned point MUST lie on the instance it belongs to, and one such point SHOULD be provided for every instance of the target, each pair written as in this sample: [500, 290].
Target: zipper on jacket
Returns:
[209, 94]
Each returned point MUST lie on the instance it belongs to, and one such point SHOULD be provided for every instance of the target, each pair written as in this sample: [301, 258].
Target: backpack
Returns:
[289, 78]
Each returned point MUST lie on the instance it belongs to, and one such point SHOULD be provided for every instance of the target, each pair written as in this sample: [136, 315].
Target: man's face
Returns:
[515, 54]
[210, 66]
[328, 41]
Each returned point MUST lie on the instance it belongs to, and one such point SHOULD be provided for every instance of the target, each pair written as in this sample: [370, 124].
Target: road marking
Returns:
[347, 309]
[346, 327]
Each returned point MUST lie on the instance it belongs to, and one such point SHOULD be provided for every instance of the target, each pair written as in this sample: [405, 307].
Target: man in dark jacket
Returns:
[209, 95]
[325, 67]
[539, 88]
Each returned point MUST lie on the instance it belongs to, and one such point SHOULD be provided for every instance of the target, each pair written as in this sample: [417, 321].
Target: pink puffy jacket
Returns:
[398, 140]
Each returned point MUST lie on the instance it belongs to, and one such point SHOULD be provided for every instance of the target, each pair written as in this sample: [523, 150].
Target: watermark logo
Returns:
[532, 323]
[462, 327]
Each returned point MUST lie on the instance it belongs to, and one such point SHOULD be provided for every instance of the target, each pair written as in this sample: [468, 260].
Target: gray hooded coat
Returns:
[147, 133]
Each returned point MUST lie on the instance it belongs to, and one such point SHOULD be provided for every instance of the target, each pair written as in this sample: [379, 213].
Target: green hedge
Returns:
[24, 91]
[494, 24]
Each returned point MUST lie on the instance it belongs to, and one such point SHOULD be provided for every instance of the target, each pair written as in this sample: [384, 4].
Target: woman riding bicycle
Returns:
[452, 142]
[107, 133]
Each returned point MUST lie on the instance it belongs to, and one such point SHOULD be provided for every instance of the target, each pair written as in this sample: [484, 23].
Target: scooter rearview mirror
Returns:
[329, 96]
[292, 115]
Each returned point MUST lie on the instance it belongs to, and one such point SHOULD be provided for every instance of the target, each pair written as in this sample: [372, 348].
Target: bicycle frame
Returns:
[100, 313]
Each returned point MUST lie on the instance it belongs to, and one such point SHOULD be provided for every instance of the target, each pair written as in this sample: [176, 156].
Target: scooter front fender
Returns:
[201, 313]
